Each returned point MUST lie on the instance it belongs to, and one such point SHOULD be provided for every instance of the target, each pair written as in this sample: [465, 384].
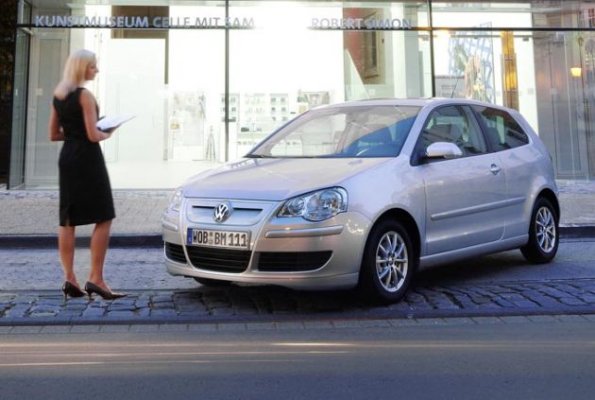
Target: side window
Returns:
[454, 124]
[502, 129]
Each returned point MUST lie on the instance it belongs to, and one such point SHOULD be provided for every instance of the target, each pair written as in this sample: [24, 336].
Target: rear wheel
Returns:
[389, 263]
[544, 235]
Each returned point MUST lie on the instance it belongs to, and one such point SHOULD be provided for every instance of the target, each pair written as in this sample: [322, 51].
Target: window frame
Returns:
[492, 146]
[467, 112]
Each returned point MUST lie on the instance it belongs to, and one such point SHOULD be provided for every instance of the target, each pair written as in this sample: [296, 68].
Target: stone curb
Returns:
[577, 231]
[51, 241]
[368, 315]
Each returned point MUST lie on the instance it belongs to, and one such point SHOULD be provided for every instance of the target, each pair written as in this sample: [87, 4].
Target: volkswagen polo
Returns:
[362, 194]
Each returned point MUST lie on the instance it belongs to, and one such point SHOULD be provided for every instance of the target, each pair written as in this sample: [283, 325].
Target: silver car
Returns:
[362, 194]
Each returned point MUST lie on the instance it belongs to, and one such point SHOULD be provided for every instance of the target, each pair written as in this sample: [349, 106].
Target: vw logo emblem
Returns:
[222, 212]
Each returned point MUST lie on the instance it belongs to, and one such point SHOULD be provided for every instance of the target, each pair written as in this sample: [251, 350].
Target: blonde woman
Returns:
[85, 191]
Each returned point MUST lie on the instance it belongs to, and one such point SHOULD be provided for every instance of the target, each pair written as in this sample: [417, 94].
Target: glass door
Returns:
[19, 111]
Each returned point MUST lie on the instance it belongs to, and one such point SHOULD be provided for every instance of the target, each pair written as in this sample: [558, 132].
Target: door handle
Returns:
[494, 169]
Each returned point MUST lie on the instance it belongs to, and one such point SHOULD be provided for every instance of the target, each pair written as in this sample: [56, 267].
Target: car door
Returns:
[518, 159]
[465, 195]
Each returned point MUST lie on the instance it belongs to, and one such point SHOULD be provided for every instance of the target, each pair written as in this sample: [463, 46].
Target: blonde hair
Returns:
[74, 71]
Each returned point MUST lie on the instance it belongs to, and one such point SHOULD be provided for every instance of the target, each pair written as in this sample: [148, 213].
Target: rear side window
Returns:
[502, 129]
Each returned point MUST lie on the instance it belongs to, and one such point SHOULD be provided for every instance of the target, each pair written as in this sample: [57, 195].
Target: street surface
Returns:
[501, 284]
[542, 358]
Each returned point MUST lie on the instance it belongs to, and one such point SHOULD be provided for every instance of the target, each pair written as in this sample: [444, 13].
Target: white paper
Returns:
[107, 123]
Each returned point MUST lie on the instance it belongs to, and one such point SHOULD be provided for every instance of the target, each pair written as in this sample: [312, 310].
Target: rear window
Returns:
[502, 129]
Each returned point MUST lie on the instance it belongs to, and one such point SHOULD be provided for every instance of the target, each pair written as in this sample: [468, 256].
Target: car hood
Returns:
[275, 179]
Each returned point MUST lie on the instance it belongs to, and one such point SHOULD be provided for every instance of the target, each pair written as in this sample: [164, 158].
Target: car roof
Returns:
[418, 102]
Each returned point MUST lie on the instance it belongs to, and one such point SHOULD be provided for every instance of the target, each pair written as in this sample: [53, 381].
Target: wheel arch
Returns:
[408, 222]
[549, 195]
[369, 286]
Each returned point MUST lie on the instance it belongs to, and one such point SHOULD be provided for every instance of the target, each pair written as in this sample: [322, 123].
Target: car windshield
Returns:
[350, 131]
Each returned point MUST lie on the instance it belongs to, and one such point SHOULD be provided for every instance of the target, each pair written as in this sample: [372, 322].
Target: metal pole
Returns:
[432, 71]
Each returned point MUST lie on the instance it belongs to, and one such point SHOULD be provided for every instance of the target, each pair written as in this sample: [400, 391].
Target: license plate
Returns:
[222, 239]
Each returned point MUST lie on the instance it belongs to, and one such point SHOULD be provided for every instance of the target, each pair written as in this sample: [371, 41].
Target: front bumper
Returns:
[288, 252]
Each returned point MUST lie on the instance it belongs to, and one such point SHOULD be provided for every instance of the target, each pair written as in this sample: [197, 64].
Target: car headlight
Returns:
[316, 206]
[175, 202]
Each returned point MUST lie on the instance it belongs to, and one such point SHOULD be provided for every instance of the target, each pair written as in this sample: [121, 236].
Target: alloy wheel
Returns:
[392, 261]
[545, 229]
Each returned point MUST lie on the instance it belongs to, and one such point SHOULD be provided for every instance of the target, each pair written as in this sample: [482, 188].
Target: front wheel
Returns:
[544, 235]
[389, 263]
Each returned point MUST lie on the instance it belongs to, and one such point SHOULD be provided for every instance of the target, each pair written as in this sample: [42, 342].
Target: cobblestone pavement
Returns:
[29, 292]
[271, 304]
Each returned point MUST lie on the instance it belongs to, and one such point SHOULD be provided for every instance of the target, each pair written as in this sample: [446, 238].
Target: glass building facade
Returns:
[206, 79]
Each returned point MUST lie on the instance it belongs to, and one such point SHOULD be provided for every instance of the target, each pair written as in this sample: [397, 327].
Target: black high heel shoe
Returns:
[91, 288]
[71, 290]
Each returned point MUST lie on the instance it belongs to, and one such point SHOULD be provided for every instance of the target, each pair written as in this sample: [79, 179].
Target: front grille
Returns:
[299, 261]
[175, 252]
[221, 260]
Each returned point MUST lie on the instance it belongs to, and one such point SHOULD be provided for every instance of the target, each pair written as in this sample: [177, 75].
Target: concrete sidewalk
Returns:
[30, 217]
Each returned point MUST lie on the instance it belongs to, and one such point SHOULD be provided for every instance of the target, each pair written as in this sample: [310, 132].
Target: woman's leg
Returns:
[99, 245]
[66, 244]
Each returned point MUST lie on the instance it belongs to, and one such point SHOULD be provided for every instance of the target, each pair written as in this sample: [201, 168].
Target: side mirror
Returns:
[443, 150]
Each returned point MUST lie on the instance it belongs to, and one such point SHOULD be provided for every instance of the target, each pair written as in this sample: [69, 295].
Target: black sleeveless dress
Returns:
[85, 191]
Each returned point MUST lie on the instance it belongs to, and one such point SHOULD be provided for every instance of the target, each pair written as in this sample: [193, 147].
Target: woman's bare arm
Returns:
[90, 117]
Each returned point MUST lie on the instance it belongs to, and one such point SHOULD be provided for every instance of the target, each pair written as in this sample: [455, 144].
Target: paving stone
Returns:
[376, 323]
[202, 327]
[399, 323]
[525, 304]
[587, 298]
[144, 328]
[221, 311]
[85, 329]
[513, 319]
[307, 325]
[56, 329]
[487, 320]
[17, 311]
[161, 313]
[142, 313]
[504, 303]
[93, 313]
[120, 315]
[231, 326]
[284, 325]
[173, 327]
[161, 299]
[570, 318]
[572, 301]
[18, 330]
[542, 318]
[114, 328]
[458, 321]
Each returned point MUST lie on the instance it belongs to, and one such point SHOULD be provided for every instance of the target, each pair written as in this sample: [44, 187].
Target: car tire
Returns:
[212, 282]
[544, 235]
[388, 265]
